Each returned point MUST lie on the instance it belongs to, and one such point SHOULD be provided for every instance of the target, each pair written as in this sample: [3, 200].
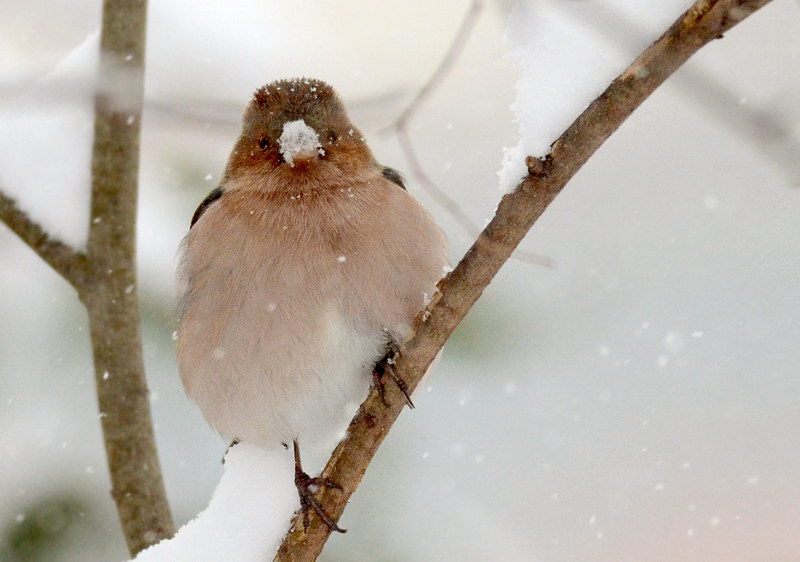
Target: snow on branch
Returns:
[400, 127]
[69, 263]
[518, 211]
[105, 277]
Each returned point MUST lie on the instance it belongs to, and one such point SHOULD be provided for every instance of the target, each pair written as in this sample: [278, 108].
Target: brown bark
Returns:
[105, 277]
[67, 262]
[517, 212]
[111, 296]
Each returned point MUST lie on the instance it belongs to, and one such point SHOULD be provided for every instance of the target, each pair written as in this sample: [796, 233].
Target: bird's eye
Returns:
[263, 143]
[333, 136]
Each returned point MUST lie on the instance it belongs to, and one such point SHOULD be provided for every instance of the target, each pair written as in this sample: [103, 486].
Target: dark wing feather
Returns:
[213, 196]
[393, 176]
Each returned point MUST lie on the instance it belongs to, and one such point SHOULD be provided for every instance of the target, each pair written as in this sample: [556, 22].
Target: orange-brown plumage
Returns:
[319, 106]
[299, 272]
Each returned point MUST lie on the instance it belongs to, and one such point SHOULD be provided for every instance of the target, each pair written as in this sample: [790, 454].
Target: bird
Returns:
[301, 272]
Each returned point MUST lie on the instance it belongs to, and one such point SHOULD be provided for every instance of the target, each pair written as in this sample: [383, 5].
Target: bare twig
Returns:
[438, 76]
[517, 212]
[400, 128]
[69, 263]
[112, 302]
[450, 205]
[439, 195]
[766, 131]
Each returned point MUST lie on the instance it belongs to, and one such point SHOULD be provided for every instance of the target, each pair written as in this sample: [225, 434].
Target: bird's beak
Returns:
[299, 143]
[304, 156]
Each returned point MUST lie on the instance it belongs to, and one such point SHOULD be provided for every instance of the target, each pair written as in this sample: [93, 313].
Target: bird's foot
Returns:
[385, 368]
[307, 487]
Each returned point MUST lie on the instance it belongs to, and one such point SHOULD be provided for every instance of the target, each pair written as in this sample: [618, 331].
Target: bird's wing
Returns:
[210, 198]
[393, 176]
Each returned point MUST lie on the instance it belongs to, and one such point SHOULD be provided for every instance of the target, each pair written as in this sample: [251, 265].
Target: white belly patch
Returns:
[267, 380]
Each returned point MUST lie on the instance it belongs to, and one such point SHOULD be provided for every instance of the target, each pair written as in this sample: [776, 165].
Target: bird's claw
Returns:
[306, 486]
[385, 367]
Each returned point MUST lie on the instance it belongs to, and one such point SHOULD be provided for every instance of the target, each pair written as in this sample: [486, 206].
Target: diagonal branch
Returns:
[68, 262]
[766, 130]
[517, 212]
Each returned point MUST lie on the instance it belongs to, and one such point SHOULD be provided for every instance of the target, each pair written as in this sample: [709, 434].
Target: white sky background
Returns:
[637, 402]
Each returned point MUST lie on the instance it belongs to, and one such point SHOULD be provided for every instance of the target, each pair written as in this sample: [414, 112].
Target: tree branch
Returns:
[69, 263]
[105, 277]
[517, 212]
[765, 130]
[111, 297]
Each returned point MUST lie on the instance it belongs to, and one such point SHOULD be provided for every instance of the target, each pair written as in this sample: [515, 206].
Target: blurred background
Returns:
[639, 399]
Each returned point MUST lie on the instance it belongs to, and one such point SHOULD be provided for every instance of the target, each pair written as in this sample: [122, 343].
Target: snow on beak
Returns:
[299, 142]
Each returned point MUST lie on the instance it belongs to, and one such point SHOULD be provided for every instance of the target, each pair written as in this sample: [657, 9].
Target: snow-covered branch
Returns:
[105, 277]
[518, 211]
[68, 262]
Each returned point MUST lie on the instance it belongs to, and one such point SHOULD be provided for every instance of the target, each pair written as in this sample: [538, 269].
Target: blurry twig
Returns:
[762, 128]
[450, 205]
[450, 57]
[400, 128]
[188, 112]
[517, 212]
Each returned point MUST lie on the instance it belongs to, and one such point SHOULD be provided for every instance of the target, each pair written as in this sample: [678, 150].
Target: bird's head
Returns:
[297, 131]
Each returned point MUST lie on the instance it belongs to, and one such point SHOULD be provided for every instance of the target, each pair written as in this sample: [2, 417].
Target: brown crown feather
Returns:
[297, 98]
